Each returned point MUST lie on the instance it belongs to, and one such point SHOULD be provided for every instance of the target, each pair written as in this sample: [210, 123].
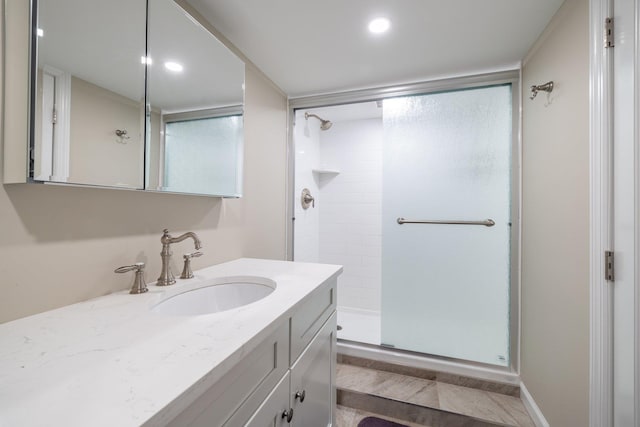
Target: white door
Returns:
[625, 213]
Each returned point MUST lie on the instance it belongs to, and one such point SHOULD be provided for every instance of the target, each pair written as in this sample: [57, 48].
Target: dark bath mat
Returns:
[378, 422]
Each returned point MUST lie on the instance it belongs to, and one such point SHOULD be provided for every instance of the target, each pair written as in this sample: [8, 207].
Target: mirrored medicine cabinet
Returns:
[133, 94]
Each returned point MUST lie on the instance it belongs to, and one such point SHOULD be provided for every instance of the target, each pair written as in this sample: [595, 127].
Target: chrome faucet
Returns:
[166, 276]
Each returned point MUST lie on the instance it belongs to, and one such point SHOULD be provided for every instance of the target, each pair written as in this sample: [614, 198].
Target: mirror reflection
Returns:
[194, 107]
[91, 122]
[90, 93]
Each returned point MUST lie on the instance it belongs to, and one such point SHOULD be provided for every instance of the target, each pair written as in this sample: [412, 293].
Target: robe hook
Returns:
[547, 87]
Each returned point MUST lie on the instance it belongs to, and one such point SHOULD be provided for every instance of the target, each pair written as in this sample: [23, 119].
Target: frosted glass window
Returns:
[447, 156]
[204, 156]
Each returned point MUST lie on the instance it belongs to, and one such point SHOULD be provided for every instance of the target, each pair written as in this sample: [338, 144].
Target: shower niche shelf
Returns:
[326, 171]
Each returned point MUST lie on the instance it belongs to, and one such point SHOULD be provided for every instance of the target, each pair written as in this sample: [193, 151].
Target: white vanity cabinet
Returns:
[273, 412]
[312, 380]
[287, 380]
[144, 367]
[243, 388]
[305, 396]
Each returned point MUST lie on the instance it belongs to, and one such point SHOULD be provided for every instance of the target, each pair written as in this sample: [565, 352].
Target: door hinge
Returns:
[609, 266]
[54, 116]
[608, 33]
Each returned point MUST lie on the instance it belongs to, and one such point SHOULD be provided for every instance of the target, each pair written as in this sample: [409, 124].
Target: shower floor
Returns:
[359, 325]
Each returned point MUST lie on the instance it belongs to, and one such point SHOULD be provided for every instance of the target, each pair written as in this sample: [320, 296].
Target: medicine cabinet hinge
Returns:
[608, 33]
[609, 266]
[54, 116]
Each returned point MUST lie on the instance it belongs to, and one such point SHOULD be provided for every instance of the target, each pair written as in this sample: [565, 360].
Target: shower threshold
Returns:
[410, 359]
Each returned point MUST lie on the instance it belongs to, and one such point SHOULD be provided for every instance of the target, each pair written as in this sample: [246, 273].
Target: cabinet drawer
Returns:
[268, 413]
[248, 383]
[310, 316]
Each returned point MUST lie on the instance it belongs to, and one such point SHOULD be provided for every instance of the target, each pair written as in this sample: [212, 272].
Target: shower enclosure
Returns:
[413, 196]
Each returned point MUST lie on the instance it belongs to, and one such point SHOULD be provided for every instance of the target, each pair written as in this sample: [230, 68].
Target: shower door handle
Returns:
[487, 222]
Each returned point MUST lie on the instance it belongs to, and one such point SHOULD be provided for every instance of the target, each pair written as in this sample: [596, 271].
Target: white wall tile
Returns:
[350, 219]
[345, 226]
[306, 243]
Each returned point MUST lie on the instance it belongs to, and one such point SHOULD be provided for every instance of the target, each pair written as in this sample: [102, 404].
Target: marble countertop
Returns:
[111, 361]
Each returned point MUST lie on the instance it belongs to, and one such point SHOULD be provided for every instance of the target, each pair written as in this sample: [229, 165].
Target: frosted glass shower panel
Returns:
[447, 156]
[202, 156]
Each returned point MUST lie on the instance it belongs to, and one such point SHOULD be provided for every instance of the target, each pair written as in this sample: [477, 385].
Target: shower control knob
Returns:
[307, 199]
[301, 396]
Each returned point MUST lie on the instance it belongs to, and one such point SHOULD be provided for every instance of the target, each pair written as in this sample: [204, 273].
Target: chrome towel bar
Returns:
[486, 222]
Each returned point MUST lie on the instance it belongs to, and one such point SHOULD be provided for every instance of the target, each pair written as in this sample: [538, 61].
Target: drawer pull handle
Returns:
[301, 396]
[288, 414]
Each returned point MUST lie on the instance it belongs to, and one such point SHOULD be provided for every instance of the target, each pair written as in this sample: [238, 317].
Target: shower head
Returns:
[324, 124]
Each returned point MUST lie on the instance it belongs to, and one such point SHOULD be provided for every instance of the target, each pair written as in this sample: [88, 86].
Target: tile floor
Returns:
[482, 405]
[349, 417]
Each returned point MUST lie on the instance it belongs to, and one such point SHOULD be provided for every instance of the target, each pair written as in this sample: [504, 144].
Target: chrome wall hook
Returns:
[122, 134]
[547, 87]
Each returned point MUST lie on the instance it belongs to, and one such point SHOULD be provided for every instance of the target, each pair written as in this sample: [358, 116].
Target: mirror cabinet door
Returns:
[87, 125]
[194, 107]
[96, 122]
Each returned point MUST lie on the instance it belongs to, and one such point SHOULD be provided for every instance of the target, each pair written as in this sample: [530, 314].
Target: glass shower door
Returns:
[447, 157]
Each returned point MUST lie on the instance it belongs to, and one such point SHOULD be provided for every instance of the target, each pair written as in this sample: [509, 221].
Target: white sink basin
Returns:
[217, 295]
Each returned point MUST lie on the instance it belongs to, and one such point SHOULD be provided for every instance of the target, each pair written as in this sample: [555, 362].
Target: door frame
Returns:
[602, 398]
[600, 146]
[512, 76]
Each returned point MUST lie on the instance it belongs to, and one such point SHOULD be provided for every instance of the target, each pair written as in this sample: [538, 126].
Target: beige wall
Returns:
[96, 155]
[59, 245]
[555, 220]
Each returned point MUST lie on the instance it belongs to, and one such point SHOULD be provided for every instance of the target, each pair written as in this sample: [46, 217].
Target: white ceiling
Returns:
[311, 47]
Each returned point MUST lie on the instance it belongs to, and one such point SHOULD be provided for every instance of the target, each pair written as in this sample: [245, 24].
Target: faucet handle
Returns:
[186, 271]
[192, 255]
[139, 284]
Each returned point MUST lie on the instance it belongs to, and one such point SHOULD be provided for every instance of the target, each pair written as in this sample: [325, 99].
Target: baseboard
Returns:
[534, 411]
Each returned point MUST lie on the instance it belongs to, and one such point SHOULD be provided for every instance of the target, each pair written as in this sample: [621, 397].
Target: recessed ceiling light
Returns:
[173, 66]
[146, 60]
[40, 32]
[379, 25]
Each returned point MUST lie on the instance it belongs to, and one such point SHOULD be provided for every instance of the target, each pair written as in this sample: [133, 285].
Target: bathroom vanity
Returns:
[119, 360]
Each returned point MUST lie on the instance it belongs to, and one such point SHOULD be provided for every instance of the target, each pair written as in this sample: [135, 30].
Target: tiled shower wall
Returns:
[350, 209]
[307, 224]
